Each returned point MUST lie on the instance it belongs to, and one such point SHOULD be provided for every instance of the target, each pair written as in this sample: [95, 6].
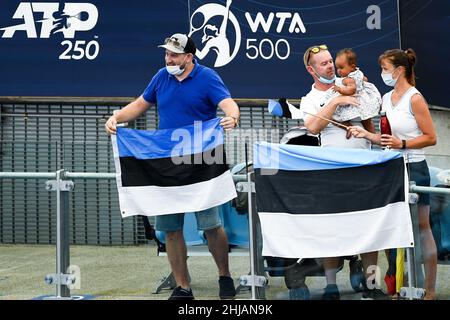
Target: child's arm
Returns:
[348, 89]
[368, 125]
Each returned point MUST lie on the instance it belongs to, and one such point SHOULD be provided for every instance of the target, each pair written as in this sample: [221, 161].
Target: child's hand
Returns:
[337, 89]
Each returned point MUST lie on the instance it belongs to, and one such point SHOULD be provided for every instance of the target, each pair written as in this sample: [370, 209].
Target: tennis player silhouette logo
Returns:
[216, 38]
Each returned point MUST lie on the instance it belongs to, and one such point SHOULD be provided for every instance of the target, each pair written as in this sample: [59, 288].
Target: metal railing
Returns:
[63, 278]
[61, 184]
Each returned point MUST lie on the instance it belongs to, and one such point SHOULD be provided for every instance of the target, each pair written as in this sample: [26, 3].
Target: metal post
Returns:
[61, 279]
[258, 259]
[251, 237]
[255, 280]
[411, 271]
[415, 277]
[62, 235]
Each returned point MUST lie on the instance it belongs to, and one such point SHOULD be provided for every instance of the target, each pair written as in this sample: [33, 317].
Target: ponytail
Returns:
[411, 62]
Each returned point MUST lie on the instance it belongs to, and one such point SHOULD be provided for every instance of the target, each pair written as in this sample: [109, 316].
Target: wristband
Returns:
[236, 120]
[403, 144]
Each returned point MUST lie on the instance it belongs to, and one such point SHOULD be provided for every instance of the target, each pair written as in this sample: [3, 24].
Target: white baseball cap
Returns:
[179, 43]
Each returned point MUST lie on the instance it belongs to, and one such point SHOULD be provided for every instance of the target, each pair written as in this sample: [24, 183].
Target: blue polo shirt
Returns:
[180, 103]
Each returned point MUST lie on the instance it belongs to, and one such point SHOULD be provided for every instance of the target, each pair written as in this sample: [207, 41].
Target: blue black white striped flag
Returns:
[329, 202]
[171, 170]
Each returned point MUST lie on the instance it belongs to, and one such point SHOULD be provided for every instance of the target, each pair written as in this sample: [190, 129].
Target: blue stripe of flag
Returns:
[155, 144]
[301, 158]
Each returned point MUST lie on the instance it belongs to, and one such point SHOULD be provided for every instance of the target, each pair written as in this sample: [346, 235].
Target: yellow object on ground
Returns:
[400, 269]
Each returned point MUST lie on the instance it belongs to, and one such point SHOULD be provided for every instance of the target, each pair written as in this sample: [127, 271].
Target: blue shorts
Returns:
[206, 220]
[420, 174]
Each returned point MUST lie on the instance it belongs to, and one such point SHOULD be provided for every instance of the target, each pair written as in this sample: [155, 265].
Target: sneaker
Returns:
[180, 293]
[226, 288]
[300, 293]
[331, 293]
[375, 294]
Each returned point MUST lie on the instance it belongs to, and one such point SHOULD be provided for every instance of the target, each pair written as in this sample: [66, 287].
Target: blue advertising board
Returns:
[109, 48]
[425, 27]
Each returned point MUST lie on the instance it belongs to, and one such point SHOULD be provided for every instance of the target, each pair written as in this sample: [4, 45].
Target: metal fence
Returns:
[65, 276]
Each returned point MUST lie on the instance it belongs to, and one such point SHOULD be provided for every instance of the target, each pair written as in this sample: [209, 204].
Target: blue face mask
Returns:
[324, 80]
[388, 78]
[327, 81]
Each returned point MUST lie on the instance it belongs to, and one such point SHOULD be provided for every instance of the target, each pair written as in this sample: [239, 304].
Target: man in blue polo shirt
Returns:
[186, 91]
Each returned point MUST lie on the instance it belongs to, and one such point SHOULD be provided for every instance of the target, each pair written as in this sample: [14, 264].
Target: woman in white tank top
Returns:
[412, 130]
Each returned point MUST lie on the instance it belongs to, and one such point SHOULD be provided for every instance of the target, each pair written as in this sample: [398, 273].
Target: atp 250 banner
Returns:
[109, 48]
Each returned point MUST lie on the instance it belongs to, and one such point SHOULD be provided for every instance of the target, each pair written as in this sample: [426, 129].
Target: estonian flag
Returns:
[172, 170]
[328, 202]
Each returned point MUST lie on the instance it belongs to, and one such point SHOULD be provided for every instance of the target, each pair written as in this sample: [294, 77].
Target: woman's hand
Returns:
[391, 142]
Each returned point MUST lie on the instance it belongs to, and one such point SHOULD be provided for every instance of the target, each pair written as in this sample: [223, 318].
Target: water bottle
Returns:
[385, 127]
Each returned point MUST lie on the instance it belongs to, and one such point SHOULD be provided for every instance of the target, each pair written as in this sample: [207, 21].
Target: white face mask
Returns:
[388, 79]
[175, 70]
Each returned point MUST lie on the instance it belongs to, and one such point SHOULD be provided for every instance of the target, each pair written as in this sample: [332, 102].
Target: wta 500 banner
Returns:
[109, 48]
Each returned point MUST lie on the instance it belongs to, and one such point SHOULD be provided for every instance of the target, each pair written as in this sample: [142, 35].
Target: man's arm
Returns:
[231, 110]
[130, 112]
[315, 125]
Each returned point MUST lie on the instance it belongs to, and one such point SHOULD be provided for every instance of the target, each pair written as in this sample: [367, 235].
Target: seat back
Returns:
[440, 216]
[235, 225]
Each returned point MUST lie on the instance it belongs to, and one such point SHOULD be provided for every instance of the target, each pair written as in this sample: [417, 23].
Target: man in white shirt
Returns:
[322, 101]
[319, 64]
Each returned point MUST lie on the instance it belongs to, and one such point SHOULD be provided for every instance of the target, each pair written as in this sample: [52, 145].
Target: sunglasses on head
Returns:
[315, 49]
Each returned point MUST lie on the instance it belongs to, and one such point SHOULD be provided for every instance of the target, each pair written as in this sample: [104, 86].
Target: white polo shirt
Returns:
[331, 135]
